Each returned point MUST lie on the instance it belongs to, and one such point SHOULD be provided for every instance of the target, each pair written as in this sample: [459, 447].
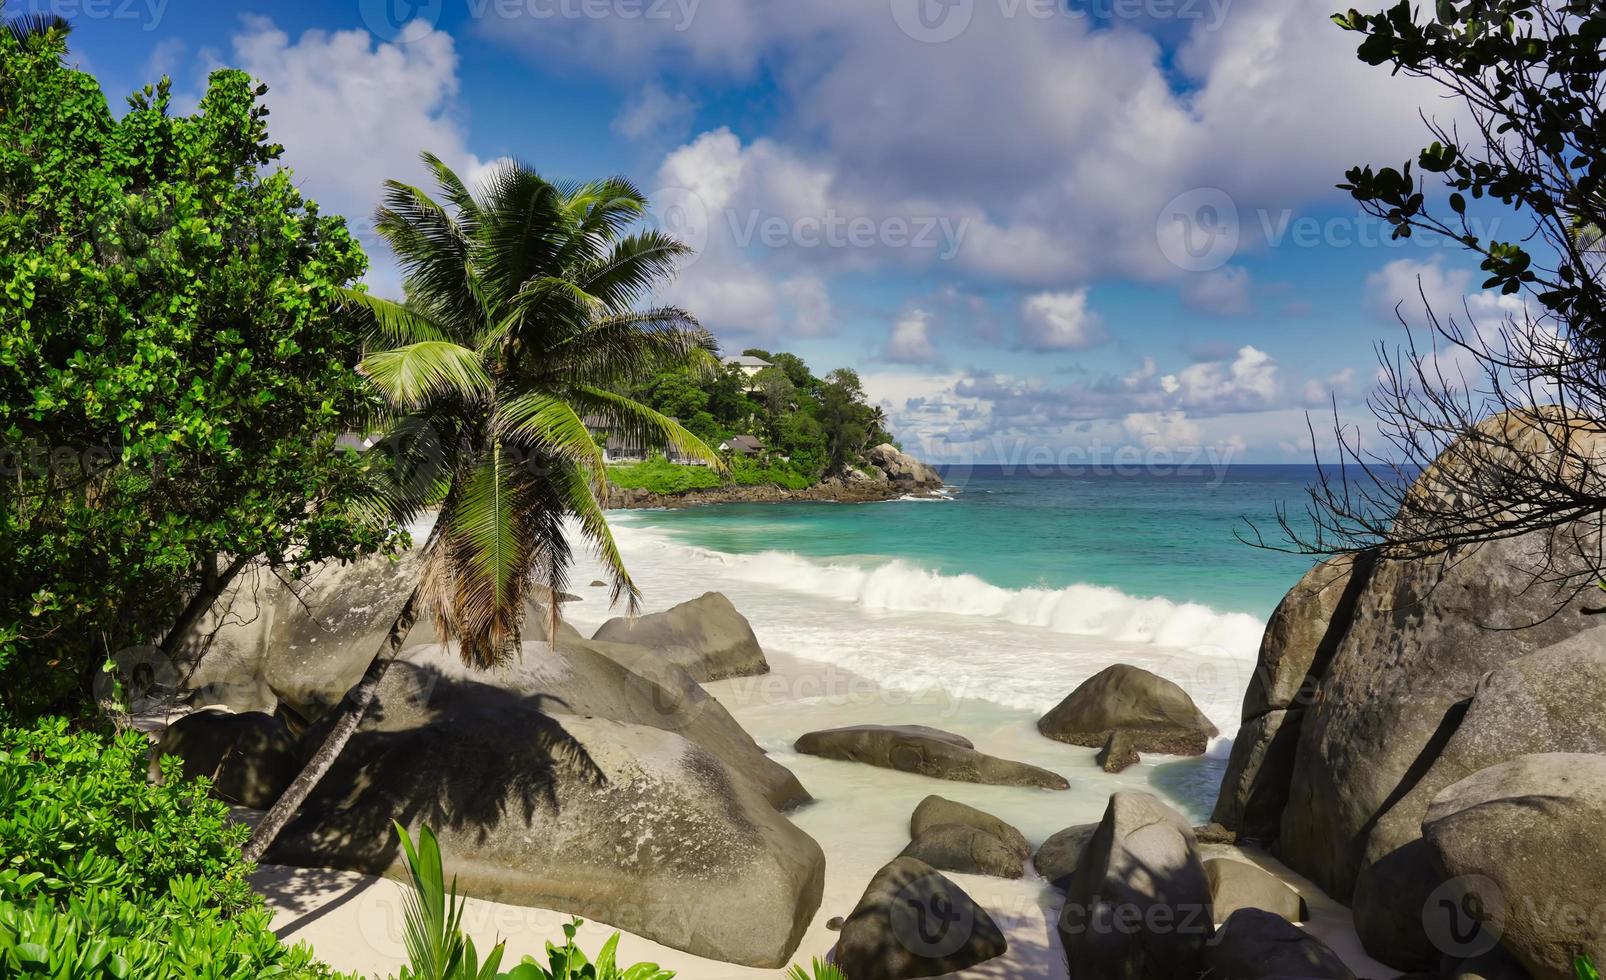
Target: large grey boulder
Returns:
[935, 811]
[250, 758]
[625, 823]
[926, 752]
[271, 641]
[1422, 635]
[1549, 701]
[1156, 714]
[1254, 944]
[914, 922]
[1137, 907]
[1300, 639]
[706, 636]
[900, 467]
[966, 850]
[1522, 838]
[1057, 857]
[1238, 885]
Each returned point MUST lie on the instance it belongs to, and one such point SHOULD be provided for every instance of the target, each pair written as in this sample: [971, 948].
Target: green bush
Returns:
[104, 874]
[658, 475]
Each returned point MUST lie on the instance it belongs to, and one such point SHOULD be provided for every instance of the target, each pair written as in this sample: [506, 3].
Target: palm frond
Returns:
[580, 500]
[434, 251]
[632, 268]
[547, 424]
[644, 426]
[616, 351]
[412, 376]
[490, 561]
[26, 27]
[393, 322]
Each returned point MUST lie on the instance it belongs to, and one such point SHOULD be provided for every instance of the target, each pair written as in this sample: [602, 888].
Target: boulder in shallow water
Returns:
[1138, 904]
[966, 850]
[934, 811]
[1117, 755]
[900, 467]
[1156, 714]
[1521, 841]
[914, 922]
[622, 823]
[706, 636]
[1238, 885]
[925, 752]
[250, 758]
[1254, 944]
[1056, 858]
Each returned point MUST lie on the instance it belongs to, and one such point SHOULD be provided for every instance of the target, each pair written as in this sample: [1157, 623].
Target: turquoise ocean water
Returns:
[1168, 535]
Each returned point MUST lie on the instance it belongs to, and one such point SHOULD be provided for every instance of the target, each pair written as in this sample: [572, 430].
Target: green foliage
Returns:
[1584, 968]
[433, 916]
[173, 366]
[1534, 146]
[568, 962]
[821, 971]
[438, 950]
[658, 475]
[105, 874]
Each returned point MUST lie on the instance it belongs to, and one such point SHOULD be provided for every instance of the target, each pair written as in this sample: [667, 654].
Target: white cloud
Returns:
[1163, 430]
[1249, 381]
[654, 112]
[1321, 393]
[352, 112]
[1104, 128]
[1225, 292]
[909, 340]
[1059, 321]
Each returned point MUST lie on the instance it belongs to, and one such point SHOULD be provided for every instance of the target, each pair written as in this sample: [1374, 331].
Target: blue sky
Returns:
[1035, 228]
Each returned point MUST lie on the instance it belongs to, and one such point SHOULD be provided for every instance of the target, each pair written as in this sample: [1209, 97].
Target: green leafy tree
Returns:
[1526, 75]
[174, 367]
[843, 416]
[521, 318]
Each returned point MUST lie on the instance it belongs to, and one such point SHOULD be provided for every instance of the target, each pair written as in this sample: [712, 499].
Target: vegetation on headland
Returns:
[659, 476]
[809, 426]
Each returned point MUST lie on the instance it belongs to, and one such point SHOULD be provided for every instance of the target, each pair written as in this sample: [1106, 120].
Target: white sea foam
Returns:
[914, 629]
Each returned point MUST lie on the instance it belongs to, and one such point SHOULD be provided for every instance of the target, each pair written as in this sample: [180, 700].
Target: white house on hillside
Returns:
[749, 366]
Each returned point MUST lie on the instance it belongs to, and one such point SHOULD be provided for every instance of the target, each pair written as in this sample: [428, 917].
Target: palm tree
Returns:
[26, 27]
[521, 318]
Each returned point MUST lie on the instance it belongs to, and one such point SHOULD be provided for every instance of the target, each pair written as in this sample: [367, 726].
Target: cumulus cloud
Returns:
[1059, 321]
[1248, 382]
[909, 340]
[1104, 127]
[654, 113]
[352, 112]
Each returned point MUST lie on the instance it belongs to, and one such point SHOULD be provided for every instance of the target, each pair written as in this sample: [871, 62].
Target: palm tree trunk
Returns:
[352, 708]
